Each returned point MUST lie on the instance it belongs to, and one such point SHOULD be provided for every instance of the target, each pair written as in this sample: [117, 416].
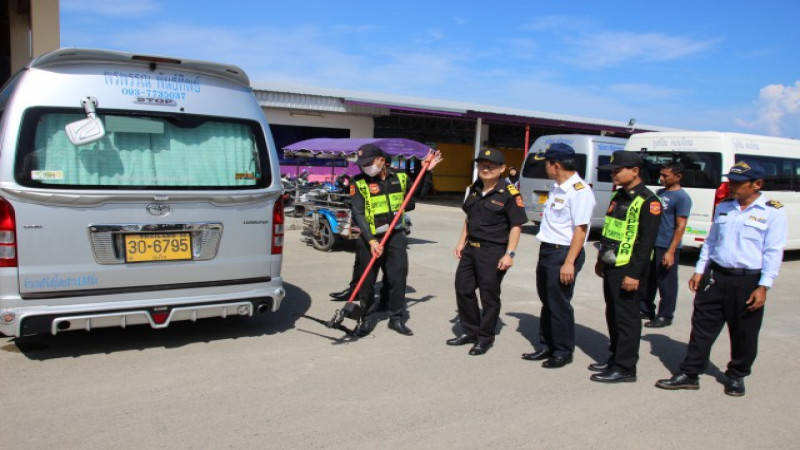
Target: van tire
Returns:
[325, 239]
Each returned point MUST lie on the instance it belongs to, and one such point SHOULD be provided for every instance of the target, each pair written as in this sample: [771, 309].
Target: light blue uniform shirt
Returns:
[569, 205]
[749, 239]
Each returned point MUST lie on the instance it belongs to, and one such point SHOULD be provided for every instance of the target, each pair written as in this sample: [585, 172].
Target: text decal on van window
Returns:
[47, 175]
[158, 89]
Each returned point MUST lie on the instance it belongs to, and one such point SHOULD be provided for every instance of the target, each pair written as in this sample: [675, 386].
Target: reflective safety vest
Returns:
[378, 208]
[623, 232]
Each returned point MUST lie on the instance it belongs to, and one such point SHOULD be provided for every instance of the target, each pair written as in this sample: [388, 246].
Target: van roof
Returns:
[84, 55]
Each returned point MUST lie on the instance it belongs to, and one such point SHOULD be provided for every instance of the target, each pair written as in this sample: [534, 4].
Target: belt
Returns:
[733, 272]
[549, 245]
[479, 244]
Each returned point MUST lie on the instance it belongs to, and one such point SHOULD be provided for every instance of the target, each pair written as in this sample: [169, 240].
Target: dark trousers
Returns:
[721, 299]
[662, 281]
[358, 271]
[394, 262]
[477, 270]
[622, 318]
[557, 320]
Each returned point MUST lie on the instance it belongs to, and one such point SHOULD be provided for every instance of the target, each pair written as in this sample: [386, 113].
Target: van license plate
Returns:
[542, 199]
[158, 247]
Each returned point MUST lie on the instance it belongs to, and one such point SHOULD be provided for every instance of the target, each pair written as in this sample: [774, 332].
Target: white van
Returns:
[591, 151]
[134, 190]
[707, 156]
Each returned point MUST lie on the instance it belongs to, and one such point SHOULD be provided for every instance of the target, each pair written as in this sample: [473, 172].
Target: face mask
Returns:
[372, 170]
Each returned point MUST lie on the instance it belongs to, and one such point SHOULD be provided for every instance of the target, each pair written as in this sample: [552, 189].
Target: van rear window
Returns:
[701, 169]
[143, 152]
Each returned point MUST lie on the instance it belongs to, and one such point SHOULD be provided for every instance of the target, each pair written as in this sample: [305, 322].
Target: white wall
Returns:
[359, 126]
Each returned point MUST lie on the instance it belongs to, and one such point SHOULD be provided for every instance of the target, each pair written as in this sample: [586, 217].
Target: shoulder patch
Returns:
[775, 204]
[512, 190]
[578, 186]
[655, 208]
[352, 189]
[520, 202]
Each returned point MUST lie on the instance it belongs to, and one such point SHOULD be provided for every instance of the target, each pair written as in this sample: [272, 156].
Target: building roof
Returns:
[313, 98]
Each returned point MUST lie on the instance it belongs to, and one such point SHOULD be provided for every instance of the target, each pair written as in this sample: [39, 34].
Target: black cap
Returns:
[368, 152]
[491, 155]
[623, 158]
[745, 171]
[558, 151]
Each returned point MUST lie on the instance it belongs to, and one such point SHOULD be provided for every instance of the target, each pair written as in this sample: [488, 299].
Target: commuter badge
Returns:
[655, 208]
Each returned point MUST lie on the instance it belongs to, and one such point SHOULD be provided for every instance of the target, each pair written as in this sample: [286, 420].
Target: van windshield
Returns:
[142, 152]
[536, 169]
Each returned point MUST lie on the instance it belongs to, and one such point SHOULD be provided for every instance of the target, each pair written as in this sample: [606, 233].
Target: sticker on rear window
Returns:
[47, 175]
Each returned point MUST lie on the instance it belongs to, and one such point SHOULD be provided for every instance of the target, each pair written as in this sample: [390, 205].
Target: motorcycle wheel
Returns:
[325, 239]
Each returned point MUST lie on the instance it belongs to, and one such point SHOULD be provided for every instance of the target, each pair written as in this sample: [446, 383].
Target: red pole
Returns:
[527, 140]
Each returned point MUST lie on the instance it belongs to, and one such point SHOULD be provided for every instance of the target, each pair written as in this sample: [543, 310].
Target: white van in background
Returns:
[591, 151]
[134, 190]
[707, 156]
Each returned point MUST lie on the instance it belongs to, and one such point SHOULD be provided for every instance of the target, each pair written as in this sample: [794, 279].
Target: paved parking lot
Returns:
[276, 381]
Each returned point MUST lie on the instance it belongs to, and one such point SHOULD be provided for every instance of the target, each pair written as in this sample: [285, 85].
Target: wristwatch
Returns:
[511, 254]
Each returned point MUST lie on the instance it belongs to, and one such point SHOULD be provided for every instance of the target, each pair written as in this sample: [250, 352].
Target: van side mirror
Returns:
[88, 130]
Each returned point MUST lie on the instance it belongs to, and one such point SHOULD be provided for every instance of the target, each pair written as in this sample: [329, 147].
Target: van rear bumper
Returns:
[31, 320]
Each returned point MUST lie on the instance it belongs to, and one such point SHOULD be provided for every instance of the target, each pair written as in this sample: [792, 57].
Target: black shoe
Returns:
[680, 381]
[554, 362]
[646, 316]
[613, 376]
[462, 340]
[363, 329]
[734, 387]
[537, 355]
[600, 366]
[400, 327]
[341, 295]
[480, 348]
[658, 322]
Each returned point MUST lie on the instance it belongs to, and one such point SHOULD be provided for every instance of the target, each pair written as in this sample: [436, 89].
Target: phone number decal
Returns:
[158, 86]
[149, 93]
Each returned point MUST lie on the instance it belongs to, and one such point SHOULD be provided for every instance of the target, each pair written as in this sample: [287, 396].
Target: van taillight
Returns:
[277, 227]
[8, 239]
[720, 194]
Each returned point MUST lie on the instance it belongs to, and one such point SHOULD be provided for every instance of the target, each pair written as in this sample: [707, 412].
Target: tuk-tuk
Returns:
[327, 216]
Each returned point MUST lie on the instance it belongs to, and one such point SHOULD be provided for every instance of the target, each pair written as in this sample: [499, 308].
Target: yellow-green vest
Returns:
[624, 232]
[376, 207]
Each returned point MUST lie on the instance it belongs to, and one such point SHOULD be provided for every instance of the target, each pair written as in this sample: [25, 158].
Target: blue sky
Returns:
[713, 65]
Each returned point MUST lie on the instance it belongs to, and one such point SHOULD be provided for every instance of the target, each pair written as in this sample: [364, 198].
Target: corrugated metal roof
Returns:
[386, 102]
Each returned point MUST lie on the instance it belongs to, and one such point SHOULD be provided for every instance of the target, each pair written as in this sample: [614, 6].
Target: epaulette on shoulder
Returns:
[578, 186]
[775, 204]
[512, 190]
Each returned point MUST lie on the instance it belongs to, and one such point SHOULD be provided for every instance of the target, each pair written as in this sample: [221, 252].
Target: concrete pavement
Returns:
[276, 381]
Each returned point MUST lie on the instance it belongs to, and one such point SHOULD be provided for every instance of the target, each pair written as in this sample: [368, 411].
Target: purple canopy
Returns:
[347, 147]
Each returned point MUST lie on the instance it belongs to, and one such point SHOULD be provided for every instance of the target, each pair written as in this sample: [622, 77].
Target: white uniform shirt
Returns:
[569, 205]
[749, 239]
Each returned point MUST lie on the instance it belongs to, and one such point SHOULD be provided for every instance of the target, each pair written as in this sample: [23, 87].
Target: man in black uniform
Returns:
[629, 235]
[376, 196]
[489, 237]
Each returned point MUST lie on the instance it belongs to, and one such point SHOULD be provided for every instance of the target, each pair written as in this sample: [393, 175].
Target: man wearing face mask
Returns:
[376, 196]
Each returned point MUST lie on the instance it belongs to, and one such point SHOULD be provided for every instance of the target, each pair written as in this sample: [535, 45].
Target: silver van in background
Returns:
[134, 190]
[591, 151]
